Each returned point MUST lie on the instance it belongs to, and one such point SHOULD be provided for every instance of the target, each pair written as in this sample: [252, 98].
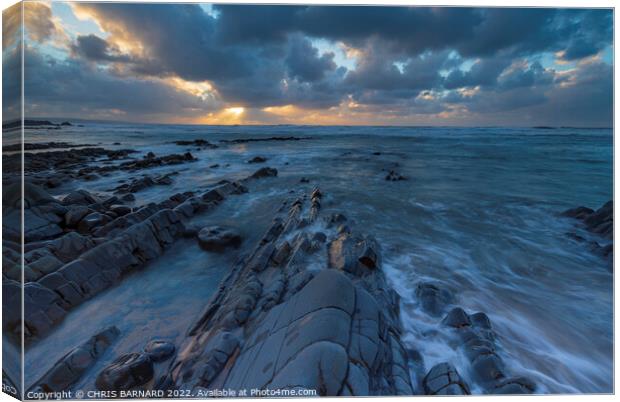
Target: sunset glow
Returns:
[184, 64]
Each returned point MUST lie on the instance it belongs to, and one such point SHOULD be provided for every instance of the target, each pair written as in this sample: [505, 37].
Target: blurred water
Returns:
[478, 214]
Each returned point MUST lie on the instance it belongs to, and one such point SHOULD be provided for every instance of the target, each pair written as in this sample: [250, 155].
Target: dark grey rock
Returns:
[487, 368]
[443, 379]
[159, 350]
[92, 220]
[578, 213]
[264, 172]
[70, 368]
[353, 254]
[75, 214]
[457, 318]
[433, 298]
[216, 238]
[81, 197]
[126, 372]
[394, 176]
[120, 210]
[257, 159]
[296, 323]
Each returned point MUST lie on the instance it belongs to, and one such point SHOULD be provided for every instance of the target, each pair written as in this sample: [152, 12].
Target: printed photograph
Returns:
[217, 200]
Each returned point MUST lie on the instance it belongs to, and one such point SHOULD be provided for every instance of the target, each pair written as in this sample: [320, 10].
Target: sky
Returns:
[327, 65]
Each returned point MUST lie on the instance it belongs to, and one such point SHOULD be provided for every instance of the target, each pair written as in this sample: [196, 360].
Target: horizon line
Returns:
[539, 126]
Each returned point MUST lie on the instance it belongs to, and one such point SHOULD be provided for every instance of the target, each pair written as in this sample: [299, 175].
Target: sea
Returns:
[478, 213]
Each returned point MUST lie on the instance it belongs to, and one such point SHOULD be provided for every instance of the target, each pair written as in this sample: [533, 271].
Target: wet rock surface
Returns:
[159, 350]
[276, 323]
[74, 364]
[477, 341]
[443, 379]
[258, 159]
[126, 372]
[60, 160]
[433, 297]
[217, 238]
[309, 307]
[82, 245]
[599, 222]
[264, 172]
[144, 182]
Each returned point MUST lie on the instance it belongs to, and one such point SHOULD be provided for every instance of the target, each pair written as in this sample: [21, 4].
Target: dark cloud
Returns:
[177, 39]
[483, 72]
[414, 60]
[473, 32]
[94, 48]
[73, 88]
[533, 75]
[304, 63]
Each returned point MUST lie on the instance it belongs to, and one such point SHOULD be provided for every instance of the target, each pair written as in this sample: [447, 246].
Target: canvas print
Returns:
[207, 200]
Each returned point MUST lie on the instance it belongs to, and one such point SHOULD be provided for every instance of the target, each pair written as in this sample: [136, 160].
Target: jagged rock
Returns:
[257, 159]
[457, 318]
[81, 197]
[91, 221]
[433, 298]
[216, 238]
[264, 172]
[578, 213]
[120, 210]
[126, 372]
[159, 350]
[36, 226]
[70, 368]
[299, 325]
[443, 379]
[144, 182]
[394, 176]
[352, 254]
[45, 265]
[33, 195]
[600, 222]
[478, 344]
[75, 214]
[70, 246]
[42, 308]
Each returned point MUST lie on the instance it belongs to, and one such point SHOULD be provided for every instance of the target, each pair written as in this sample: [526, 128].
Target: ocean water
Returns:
[478, 214]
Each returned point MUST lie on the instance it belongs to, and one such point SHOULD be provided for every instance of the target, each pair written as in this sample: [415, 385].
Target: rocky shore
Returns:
[309, 307]
[600, 223]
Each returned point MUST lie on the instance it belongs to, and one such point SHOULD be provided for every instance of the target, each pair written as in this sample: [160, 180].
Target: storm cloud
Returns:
[485, 64]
